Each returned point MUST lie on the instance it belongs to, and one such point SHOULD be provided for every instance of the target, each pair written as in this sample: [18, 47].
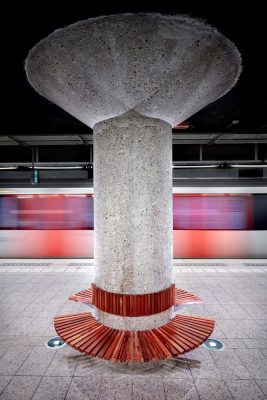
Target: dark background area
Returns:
[24, 111]
[233, 128]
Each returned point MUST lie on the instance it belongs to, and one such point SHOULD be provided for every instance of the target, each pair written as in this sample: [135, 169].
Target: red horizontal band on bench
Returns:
[133, 305]
[181, 297]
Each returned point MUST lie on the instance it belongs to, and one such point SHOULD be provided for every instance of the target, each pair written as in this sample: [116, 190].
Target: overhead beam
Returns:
[19, 142]
[214, 139]
[207, 138]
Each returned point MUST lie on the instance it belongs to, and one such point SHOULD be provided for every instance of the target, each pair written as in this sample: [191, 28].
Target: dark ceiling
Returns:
[244, 109]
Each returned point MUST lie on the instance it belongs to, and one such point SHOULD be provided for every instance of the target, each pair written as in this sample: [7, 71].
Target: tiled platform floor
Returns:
[33, 291]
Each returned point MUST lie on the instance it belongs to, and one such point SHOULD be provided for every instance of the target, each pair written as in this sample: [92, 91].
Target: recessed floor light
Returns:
[213, 344]
[55, 343]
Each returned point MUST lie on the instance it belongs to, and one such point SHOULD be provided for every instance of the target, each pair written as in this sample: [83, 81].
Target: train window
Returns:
[190, 212]
[46, 212]
[212, 212]
[260, 212]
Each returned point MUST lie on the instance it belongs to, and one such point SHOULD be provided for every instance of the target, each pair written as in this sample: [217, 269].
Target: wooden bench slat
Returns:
[187, 338]
[173, 339]
[104, 338]
[182, 334]
[194, 332]
[106, 345]
[135, 305]
[96, 340]
[177, 339]
[195, 327]
[124, 348]
[112, 346]
[165, 353]
[169, 343]
[116, 353]
[130, 355]
[138, 354]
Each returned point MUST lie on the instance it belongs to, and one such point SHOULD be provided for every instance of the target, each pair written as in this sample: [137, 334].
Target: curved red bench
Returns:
[182, 297]
[180, 335]
[85, 296]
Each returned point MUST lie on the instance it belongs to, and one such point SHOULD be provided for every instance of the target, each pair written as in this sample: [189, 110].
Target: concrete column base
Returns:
[134, 323]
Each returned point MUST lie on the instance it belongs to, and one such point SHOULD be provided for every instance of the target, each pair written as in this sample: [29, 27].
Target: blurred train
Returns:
[218, 223]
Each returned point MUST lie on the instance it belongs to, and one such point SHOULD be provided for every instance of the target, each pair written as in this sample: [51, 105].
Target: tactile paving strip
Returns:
[255, 264]
[177, 264]
[79, 265]
[25, 264]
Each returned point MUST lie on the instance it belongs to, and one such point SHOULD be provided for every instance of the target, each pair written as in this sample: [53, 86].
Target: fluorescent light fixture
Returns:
[57, 167]
[7, 168]
[194, 166]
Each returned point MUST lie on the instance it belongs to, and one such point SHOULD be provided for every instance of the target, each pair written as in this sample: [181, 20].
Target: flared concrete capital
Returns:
[161, 66]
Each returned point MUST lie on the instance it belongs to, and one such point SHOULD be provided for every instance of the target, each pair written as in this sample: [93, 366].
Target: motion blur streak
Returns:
[205, 225]
[212, 212]
[46, 212]
[46, 243]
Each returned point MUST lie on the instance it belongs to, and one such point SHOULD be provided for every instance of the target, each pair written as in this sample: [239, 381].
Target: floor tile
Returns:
[52, 388]
[245, 390]
[180, 389]
[64, 362]
[37, 362]
[13, 359]
[202, 365]
[147, 388]
[230, 365]
[212, 390]
[263, 385]
[116, 388]
[4, 380]
[255, 362]
[84, 389]
[21, 388]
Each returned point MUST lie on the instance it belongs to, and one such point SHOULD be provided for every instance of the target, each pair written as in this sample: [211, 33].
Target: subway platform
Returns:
[33, 291]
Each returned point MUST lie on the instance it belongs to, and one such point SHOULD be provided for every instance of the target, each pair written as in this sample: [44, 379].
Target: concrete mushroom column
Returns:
[133, 211]
[131, 78]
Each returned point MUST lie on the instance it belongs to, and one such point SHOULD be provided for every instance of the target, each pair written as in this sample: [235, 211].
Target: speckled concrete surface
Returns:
[161, 66]
[133, 221]
[33, 291]
[134, 323]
